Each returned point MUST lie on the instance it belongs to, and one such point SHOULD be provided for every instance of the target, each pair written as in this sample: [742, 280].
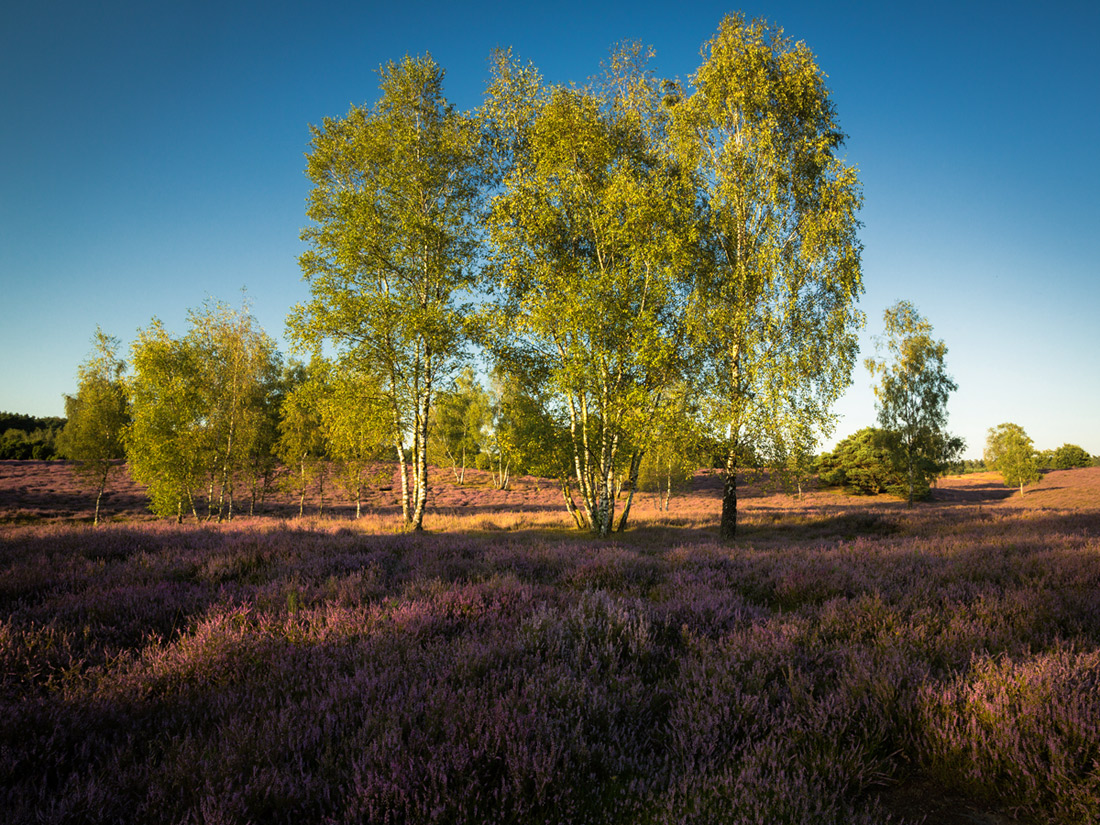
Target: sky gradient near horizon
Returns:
[153, 156]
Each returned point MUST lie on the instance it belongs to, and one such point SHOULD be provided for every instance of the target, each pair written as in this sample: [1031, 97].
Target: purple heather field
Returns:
[846, 660]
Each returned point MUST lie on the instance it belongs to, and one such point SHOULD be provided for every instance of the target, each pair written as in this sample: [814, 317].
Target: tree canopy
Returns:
[1070, 456]
[98, 415]
[1010, 452]
[912, 396]
[396, 190]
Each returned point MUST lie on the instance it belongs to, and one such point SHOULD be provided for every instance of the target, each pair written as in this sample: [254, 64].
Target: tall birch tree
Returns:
[773, 315]
[394, 206]
[587, 245]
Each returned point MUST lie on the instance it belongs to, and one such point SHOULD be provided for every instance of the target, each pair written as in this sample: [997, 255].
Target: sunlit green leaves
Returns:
[587, 232]
[1009, 451]
[912, 392]
[773, 316]
[396, 224]
[97, 416]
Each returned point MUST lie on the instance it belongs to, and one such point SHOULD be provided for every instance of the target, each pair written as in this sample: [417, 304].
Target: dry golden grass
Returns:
[50, 491]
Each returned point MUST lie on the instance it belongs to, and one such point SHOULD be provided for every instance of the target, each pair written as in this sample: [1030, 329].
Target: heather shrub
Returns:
[1023, 731]
[319, 671]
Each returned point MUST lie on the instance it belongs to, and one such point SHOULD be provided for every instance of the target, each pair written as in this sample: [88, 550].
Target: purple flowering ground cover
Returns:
[339, 672]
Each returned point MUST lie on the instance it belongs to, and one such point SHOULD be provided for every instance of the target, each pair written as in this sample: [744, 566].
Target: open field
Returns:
[846, 661]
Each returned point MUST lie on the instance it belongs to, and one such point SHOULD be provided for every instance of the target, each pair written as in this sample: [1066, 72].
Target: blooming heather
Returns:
[335, 671]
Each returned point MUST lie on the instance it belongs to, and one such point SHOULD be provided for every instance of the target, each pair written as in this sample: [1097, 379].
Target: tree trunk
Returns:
[910, 463]
[98, 496]
[421, 458]
[570, 505]
[632, 483]
[302, 497]
[227, 480]
[727, 528]
[403, 467]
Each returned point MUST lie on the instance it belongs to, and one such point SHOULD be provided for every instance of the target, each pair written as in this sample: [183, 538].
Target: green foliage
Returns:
[912, 397]
[461, 417]
[1070, 456]
[865, 463]
[590, 230]
[675, 450]
[201, 408]
[98, 415]
[355, 424]
[791, 458]
[1010, 452]
[29, 423]
[395, 199]
[301, 429]
[37, 444]
[29, 437]
[773, 317]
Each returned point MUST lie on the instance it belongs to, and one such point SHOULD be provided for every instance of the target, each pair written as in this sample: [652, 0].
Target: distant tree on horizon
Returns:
[911, 396]
[1010, 452]
[1069, 457]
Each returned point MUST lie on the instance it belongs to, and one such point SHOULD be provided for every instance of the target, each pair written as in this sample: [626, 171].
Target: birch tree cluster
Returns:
[638, 248]
[598, 284]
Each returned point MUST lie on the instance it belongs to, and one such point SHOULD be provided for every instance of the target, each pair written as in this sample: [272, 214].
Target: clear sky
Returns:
[152, 156]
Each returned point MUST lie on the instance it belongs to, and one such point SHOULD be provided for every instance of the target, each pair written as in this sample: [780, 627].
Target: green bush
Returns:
[1070, 456]
[862, 465]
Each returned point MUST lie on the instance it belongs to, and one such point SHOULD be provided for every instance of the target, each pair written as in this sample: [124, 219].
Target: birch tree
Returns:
[355, 425]
[199, 402]
[165, 445]
[1010, 451]
[301, 445]
[911, 396]
[394, 207]
[773, 317]
[97, 415]
[587, 246]
[461, 416]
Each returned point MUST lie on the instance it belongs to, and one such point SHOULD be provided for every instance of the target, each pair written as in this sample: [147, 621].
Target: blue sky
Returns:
[152, 156]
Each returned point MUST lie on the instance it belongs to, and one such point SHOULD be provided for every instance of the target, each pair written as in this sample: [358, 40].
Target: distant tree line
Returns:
[866, 463]
[25, 437]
